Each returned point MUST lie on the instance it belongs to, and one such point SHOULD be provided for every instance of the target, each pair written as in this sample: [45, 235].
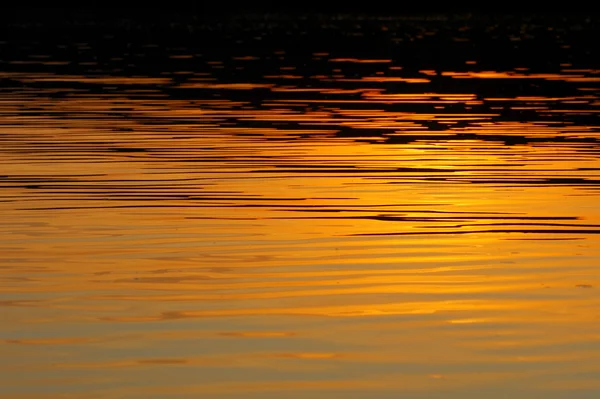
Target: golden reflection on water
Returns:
[309, 233]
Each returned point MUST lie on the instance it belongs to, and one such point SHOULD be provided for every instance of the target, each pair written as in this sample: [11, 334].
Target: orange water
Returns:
[355, 230]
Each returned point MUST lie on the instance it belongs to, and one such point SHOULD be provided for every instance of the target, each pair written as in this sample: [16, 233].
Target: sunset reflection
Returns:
[342, 219]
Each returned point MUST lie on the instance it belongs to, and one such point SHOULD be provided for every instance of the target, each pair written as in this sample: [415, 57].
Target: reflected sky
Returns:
[388, 208]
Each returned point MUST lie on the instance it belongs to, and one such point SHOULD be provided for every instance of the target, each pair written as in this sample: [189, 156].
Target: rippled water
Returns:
[327, 207]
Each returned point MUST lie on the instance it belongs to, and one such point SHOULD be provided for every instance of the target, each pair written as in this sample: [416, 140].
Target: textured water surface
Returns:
[332, 207]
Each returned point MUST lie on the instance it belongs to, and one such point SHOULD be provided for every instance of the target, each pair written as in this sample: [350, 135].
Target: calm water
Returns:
[300, 208]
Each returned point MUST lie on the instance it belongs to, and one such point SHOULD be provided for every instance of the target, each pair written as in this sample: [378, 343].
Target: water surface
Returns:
[330, 207]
